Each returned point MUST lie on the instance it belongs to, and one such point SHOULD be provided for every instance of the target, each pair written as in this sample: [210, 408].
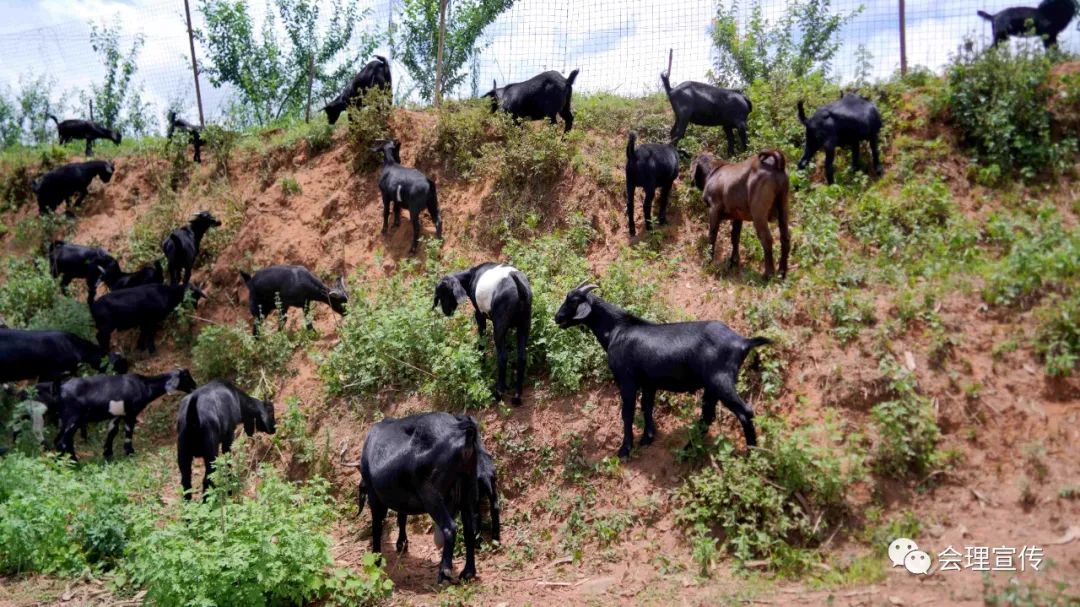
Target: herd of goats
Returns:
[435, 463]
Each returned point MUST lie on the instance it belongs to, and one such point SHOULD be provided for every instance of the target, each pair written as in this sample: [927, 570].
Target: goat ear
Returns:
[459, 292]
[173, 384]
[583, 310]
[341, 285]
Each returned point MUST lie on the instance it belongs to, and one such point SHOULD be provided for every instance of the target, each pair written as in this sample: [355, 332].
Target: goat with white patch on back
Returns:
[287, 287]
[677, 357]
[649, 166]
[499, 292]
[115, 398]
[408, 187]
[207, 421]
[58, 185]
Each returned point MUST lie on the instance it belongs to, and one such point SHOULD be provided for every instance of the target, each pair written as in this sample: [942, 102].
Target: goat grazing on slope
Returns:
[1046, 21]
[181, 247]
[58, 185]
[408, 187]
[677, 357]
[68, 130]
[289, 287]
[756, 190]
[147, 275]
[144, 307]
[846, 122]
[194, 132]
[499, 292]
[649, 166]
[545, 95]
[375, 73]
[71, 261]
[708, 105]
[51, 355]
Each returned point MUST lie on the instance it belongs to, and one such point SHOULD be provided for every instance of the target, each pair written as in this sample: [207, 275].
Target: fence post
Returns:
[439, 54]
[903, 40]
[194, 66]
[310, 83]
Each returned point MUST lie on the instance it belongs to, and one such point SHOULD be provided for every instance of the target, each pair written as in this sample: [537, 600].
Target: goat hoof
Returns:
[403, 546]
[647, 440]
[516, 401]
[624, 452]
[445, 577]
[467, 573]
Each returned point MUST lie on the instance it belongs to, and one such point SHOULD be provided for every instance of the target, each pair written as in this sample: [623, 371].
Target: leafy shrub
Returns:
[999, 99]
[650, 117]
[773, 502]
[1057, 338]
[850, 312]
[59, 519]
[265, 549]
[232, 352]
[369, 121]
[151, 227]
[462, 129]
[906, 426]
[30, 298]
[220, 143]
[1040, 260]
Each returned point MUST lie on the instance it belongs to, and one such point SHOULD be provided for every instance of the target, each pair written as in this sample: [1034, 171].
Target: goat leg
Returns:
[648, 397]
[628, 393]
[402, 544]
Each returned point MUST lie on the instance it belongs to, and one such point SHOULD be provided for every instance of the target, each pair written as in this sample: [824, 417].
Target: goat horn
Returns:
[589, 287]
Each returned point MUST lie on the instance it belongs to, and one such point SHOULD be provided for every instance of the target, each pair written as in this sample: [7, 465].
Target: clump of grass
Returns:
[369, 121]
[462, 129]
[220, 145]
[253, 363]
[1057, 338]
[30, 298]
[290, 186]
[906, 426]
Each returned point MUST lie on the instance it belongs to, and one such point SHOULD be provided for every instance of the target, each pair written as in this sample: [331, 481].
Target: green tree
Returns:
[465, 21]
[270, 72]
[804, 40]
[34, 99]
[117, 99]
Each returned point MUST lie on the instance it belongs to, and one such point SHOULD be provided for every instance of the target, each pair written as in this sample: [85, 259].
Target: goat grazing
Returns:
[207, 421]
[846, 122]
[194, 132]
[756, 190]
[708, 105]
[1046, 21]
[86, 400]
[677, 357]
[401, 185]
[51, 355]
[501, 293]
[68, 130]
[58, 185]
[289, 287]
[649, 166]
[144, 307]
[375, 73]
[545, 95]
[71, 261]
[421, 464]
[181, 247]
[147, 275]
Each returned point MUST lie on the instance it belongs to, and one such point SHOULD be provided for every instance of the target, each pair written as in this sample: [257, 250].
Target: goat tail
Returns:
[985, 15]
[773, 159]
[631, 140]
[382, 59]
[749, 104]
[245, 276]
[193, 411]
[757, 341]
[361, 496]
[573, 76]
[53, 118]
[666, 79]
[802, 112]
[524, 291]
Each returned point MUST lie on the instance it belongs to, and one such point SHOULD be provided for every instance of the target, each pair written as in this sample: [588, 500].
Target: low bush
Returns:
[30, 298]
[253, 363]
[1043, 257]
[906, 427]
[462, 129]
[369, 121]
[772, 503]
[220, 145]
[1057, 337]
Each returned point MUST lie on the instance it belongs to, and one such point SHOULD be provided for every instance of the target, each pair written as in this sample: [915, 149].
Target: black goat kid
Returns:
[58, 185]
[408, 187]
[207, 421]
[649, 166]
[144, 307]
[194, 132]
[677, 357]
[289, 287]
[181, 247]
[116, 398]
[68, 130]
[846, 122]
[71, 261]
[501, 293]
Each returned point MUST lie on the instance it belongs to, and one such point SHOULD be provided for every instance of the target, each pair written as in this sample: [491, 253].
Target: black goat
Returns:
[375, 73]
[846, 122]
[649, 166]
[144, 307]
[1046, 21]
[181, 247]
[421, 464]
[677, 357]
[71, 261]
[708, 105]
[147, 275]
[86, 400]
[487, 491]
[84, 129]
[499, 292]
[58, 185]
[405, 186]
[289, 287]
[51, 355]
[207, 420]
[545, 95]
[194, 132]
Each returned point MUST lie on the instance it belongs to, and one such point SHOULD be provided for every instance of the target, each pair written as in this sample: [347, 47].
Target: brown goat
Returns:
[756, 190]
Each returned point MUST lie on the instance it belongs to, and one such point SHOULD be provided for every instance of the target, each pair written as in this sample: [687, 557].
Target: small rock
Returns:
[936, 530]
[895, 601]
[598, 585]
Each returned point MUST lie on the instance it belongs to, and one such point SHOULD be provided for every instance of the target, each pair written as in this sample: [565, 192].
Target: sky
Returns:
[619, 46]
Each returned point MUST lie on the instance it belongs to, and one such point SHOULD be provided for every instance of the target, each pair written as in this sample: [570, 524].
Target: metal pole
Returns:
[439, 54]
[903, 39]
[194, 66]
[669, 53]
[310, 83]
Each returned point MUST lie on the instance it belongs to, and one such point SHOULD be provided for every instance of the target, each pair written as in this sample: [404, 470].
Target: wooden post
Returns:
[194, 65]
[310, 83]
[439, 53]
[903, 40]
[91, 110]
[669, 54]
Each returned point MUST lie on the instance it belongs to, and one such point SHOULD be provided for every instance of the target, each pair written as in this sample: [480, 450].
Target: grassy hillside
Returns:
[923, 381]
